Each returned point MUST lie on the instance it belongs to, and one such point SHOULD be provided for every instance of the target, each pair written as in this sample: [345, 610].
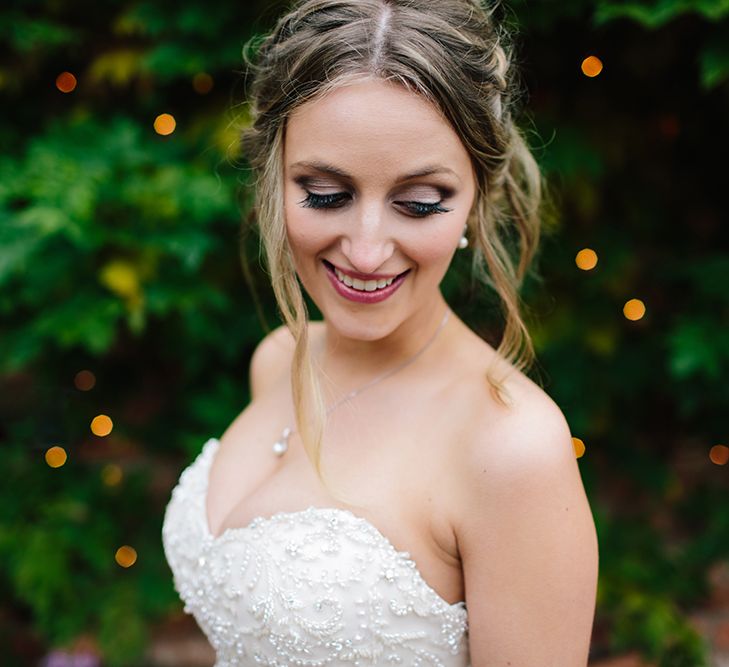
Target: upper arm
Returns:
[271, 358]
[528, 546]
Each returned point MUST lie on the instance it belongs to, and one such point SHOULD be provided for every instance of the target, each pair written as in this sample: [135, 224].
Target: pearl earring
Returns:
[463, 242]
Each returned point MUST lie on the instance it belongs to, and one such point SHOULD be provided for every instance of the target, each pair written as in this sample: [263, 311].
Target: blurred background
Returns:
[127, 322]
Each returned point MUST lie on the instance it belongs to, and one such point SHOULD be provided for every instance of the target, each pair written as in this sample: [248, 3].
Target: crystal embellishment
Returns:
[315, 587]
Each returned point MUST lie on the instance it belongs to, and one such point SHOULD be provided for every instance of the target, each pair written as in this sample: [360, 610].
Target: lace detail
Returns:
[319, 586]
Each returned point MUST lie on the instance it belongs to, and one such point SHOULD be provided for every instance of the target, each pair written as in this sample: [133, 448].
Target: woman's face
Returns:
[378, 188]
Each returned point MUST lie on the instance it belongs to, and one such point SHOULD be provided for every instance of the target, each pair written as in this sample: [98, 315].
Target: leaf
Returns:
[659, 12]
[714, 63]
[41, 220]
[118, 67]
[25, 34]
[15, 253]
[121, 277]
[86, 319]
[698, 348]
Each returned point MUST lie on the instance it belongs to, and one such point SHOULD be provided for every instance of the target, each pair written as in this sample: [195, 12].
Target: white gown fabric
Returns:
[319, 586]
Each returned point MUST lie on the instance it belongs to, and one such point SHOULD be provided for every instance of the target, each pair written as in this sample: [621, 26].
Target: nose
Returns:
[367, 242]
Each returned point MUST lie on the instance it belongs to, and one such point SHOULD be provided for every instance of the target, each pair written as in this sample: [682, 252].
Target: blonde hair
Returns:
[454, 54]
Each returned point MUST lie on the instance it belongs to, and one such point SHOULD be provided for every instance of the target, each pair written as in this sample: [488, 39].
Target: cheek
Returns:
[435, 246]
[306, 235]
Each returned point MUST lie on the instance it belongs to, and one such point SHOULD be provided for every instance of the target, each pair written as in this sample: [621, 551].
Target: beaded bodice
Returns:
[315, 587]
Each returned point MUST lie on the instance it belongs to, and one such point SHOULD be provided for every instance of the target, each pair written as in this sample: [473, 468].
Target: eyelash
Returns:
[336, 199]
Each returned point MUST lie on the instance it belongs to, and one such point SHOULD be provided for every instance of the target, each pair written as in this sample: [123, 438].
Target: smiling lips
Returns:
[372, 290]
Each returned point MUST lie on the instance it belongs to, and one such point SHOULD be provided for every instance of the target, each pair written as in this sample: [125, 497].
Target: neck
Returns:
[348, 362]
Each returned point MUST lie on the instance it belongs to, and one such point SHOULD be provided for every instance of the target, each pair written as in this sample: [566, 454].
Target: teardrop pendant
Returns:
[282, 444]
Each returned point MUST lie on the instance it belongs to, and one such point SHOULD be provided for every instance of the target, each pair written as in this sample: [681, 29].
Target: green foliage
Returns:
[714, 56]
[25, 34]
[655, 13]
[104, 198]
[655, 625]
[714, 61]
[120, 253]
[638, 592]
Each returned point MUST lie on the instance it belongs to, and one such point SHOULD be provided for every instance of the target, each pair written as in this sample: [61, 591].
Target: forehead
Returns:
[373, 128]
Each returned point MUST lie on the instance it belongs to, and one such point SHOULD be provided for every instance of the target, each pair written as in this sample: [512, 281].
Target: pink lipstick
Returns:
[361, 296]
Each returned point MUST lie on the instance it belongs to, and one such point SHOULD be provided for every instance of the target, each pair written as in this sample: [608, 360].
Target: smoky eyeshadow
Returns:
[307, 181]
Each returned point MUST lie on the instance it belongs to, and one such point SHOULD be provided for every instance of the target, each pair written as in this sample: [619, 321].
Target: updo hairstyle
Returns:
[453, 53]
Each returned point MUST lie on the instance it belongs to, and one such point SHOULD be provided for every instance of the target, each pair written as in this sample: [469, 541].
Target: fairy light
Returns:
[84, 380]
[202, 83]
[586, 259]
[165, 124]
[126, 556]
[101, 425]
[591, 66]
[56, 456]
[634, 309]
[719, 454]
[111, 474]
[66, 82]
[579, 447]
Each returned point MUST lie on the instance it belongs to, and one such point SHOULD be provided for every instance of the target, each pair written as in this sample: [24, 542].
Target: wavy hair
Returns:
[454, 54]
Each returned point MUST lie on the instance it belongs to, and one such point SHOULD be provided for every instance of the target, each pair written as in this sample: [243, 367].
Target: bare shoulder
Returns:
[525, 534]
[271, 360]
[531, 431]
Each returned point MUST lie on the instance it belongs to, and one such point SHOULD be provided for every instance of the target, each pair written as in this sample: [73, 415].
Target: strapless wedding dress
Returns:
[319, 586]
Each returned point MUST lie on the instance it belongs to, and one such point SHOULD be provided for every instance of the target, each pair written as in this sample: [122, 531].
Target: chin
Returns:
[352, 320]
[361, 326]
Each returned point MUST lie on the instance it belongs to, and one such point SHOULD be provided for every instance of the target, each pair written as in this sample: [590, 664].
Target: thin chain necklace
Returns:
[282, 444]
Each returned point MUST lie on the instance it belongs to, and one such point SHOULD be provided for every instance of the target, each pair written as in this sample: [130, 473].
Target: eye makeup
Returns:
[411, 207]
[332, 200]
[419, 209]
[415, 209]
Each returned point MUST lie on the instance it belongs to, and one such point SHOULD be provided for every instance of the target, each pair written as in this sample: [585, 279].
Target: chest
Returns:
[382, 455]
[316, 586]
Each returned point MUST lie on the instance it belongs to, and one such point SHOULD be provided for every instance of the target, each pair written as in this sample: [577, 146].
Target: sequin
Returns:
[315, 587]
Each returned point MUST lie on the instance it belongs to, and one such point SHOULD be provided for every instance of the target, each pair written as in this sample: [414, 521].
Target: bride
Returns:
[397, 491]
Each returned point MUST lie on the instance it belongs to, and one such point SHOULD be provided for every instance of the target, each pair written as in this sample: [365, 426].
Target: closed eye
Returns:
[419, 209]
[332, 200]
[416, 209]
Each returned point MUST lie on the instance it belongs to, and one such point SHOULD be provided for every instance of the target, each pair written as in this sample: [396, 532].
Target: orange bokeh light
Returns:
[586, 259]
[84, 380]
[126, 556]
[634, 309]
[165, 124]
[202, 83]
[56, 456]
[719, 454]
[591, 66]
[579, 446]
[66, 82]
[101, 425]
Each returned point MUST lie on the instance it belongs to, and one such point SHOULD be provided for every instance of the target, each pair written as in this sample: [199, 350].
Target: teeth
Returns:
[362, 285]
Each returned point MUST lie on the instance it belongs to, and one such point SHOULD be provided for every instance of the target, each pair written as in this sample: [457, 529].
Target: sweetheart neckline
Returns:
[278, 516]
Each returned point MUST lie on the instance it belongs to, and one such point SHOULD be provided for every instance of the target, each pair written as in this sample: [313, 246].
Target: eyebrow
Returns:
[325, 168]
